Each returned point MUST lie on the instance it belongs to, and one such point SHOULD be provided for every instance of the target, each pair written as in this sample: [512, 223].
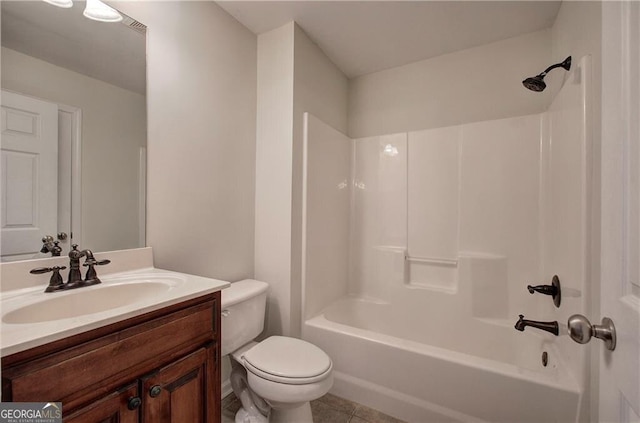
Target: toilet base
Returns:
[243, 417]
[300, 414]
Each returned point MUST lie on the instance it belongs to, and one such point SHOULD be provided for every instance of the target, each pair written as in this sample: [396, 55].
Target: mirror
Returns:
[73, 131]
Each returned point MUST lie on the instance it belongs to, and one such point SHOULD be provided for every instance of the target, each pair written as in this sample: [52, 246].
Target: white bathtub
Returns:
[388, 360]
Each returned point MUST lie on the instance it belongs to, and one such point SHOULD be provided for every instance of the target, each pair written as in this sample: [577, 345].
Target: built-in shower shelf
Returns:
[437, 274]
[434, 286]
[439, 261]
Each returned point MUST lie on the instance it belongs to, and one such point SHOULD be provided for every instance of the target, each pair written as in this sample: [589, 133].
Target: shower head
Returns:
[536, 83]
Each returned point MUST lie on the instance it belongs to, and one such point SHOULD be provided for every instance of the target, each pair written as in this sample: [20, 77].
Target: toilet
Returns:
[274, 379]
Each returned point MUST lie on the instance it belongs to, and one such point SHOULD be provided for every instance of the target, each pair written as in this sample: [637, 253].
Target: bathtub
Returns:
[482, 371]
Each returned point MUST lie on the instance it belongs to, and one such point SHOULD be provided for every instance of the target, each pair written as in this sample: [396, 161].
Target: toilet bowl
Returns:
[274, 379]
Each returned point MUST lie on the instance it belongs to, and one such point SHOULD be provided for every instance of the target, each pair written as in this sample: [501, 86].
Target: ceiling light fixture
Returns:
[98, 11]
[61, 3]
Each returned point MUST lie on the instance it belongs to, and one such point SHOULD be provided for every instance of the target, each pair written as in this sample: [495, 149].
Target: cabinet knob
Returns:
[133, 403]
[155, 391]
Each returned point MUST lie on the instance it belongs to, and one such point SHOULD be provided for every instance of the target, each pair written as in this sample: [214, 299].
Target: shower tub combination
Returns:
[431, 338]
[434, 355]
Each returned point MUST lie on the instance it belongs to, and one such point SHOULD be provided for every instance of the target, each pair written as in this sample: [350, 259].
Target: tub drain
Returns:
[545, 358]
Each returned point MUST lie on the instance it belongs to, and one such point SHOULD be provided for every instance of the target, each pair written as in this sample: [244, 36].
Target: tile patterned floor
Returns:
[328, 409]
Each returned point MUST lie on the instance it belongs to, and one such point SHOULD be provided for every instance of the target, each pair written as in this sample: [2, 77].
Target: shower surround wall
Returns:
[430, 196]
[447, 227]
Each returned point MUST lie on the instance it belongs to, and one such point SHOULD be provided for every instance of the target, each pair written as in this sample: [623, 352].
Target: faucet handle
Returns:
[40, 270]
[553, 290]
[91, 278]
[55, 283]
[94, 262]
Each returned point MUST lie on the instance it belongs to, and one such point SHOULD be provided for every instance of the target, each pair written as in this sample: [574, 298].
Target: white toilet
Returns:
[274, 379]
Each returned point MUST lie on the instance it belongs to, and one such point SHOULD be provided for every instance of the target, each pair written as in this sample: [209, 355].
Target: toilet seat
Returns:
[288, 360]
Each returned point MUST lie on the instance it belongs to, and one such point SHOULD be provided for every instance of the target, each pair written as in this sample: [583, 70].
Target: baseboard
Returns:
[225, 388]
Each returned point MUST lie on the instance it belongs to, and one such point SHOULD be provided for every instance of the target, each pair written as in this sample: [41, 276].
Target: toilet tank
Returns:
[243, 310]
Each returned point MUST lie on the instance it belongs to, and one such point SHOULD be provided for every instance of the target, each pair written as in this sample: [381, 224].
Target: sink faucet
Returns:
[551, 327]
[75, 276]
[50, 246]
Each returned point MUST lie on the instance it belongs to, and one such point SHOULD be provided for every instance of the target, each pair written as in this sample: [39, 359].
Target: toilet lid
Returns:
[287, 360]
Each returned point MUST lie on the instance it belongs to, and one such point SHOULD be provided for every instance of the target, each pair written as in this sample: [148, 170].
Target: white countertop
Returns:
[16, 337]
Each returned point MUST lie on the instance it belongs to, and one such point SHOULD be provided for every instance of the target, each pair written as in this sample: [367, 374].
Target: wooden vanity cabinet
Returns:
[109, 409]
[160, 367]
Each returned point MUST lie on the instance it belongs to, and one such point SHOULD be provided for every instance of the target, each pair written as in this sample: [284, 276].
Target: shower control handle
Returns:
[581, 330]
[553, 290]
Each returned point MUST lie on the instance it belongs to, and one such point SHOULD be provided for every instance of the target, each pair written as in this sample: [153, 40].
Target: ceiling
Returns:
[361, 37]
[111, 52]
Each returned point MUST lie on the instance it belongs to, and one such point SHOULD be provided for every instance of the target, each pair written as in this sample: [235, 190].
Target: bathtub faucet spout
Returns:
[551, 327]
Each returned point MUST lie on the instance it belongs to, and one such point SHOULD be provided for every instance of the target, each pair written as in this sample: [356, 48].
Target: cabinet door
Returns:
[113, 408]
[182, 391]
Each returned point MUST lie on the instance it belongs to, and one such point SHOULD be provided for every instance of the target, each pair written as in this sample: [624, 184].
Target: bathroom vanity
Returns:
[156, 359]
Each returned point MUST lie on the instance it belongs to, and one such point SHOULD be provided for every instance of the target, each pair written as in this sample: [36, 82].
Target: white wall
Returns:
[577, 32]
[201, 88]
[274, 152]
[320, 88]
[113, 129]
[294, 76]
[477, 84]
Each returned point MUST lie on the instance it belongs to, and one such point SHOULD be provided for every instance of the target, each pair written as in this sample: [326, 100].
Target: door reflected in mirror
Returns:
[73, 131]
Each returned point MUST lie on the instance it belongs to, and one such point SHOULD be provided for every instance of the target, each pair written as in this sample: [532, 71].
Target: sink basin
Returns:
[84, 301]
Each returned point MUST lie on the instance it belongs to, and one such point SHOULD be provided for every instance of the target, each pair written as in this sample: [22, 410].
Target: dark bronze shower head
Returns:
[537, 84]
